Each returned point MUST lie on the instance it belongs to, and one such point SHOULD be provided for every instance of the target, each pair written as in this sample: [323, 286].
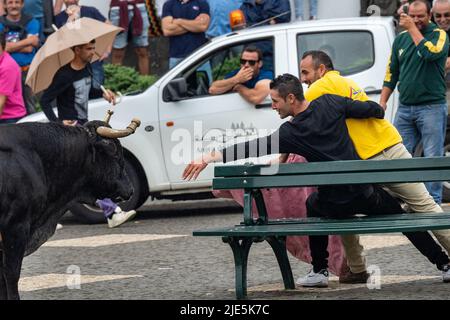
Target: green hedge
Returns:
[126, 79]
[230, 64]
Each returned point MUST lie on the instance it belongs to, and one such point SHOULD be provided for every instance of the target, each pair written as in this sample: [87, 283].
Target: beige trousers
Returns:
[413, 194]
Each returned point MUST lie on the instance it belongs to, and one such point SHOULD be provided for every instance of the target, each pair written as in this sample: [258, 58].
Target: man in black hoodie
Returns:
[318, 132]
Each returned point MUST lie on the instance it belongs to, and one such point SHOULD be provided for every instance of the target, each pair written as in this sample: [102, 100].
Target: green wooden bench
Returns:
[253, 178]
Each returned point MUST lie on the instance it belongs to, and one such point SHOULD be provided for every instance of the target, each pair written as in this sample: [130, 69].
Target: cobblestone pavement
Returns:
[156, 257]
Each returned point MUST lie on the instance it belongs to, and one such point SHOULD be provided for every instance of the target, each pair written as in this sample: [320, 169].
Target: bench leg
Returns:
[278, 245]
[240, 253]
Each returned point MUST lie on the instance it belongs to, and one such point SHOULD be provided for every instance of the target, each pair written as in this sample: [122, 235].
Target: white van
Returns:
[177, 111]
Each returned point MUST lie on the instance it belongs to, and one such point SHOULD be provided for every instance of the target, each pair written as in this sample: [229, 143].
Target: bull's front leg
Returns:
[3, 291]
[14, 243]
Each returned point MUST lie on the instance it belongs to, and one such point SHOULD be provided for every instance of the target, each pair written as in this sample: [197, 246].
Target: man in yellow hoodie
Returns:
[375, 139]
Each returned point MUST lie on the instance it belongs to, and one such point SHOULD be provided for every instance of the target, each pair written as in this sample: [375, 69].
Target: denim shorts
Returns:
[121, 40]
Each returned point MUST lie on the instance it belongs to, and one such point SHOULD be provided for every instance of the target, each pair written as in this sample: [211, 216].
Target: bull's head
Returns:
[108, 176]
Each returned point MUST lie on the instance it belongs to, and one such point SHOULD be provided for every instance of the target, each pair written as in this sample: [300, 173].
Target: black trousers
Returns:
[29, 97]
[378, 202]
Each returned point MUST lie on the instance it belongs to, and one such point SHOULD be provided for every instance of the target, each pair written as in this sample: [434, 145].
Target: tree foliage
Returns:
[126, 79]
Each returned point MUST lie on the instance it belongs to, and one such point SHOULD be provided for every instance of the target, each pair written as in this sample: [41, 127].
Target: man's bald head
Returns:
[421, 4]
[420, 13]
[441, 13]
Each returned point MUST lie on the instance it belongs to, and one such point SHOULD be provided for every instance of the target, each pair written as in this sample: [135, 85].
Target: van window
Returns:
[350, 51]
[219, 64]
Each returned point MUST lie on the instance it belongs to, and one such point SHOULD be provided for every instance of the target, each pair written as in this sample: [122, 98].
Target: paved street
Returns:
[156, 257]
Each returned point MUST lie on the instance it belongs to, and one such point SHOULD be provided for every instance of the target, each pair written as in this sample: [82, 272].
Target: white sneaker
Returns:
[59, 226]
[121, 217]
[316, 280]
[446, 273]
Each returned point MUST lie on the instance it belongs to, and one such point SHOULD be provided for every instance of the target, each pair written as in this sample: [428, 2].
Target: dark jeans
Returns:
[29, 97]
[379, 202]
[98, 74]
[8, 121]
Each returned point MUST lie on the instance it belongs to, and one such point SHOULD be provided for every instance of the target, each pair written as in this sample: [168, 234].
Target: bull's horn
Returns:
[113, 133]
[109, 113]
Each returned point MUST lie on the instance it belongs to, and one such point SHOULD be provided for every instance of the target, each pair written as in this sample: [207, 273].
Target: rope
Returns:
[155, 29]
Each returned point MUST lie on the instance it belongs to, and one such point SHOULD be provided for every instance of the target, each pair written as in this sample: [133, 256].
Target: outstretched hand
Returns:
[193, 169]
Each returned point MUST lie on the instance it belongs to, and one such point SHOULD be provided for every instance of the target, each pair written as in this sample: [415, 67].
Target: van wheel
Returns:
[90, 214]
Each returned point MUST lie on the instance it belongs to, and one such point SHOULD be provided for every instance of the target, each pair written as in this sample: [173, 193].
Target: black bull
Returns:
[44, 167]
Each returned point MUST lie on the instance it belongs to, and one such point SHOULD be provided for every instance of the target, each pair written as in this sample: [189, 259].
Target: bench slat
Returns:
[298, 180]
[433, 163]
[342, 227]
[374, 218]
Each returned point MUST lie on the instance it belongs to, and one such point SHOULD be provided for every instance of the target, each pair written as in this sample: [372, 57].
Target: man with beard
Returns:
[417, 65]
[251, 81]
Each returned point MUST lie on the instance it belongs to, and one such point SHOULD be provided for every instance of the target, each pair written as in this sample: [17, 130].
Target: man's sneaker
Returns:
[316, 280]
[446, 273]
[350, 277]
[121, 217]
[59, 226]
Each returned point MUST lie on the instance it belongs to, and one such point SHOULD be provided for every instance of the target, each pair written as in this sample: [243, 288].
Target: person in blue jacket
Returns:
[266, 11]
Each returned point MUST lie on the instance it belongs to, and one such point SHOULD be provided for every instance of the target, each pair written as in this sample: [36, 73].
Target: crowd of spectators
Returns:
[187, 24]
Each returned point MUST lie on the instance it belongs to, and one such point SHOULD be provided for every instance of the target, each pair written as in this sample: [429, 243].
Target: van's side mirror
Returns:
[175, 90]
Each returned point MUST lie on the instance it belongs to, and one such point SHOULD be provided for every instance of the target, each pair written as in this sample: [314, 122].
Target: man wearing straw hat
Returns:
[75, 11]
[71, 88]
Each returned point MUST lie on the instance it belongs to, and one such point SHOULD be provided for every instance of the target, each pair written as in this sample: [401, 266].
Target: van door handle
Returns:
[263, 105]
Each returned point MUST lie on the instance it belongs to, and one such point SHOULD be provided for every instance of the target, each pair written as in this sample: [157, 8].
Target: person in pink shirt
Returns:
[12, 107]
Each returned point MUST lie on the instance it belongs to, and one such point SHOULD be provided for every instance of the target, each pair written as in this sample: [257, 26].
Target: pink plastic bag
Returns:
[290, 203]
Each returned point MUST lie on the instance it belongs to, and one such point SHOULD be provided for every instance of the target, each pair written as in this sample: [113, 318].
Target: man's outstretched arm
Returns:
[263, 146]
[194, 168]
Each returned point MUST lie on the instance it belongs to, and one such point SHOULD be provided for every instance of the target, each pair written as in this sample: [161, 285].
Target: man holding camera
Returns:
[417, 64]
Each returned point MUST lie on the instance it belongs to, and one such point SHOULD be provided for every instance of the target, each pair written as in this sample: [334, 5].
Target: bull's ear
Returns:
[107, 146]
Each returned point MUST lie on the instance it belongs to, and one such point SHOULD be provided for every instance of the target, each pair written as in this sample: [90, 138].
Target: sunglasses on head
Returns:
[250, 62]
[445, 15]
